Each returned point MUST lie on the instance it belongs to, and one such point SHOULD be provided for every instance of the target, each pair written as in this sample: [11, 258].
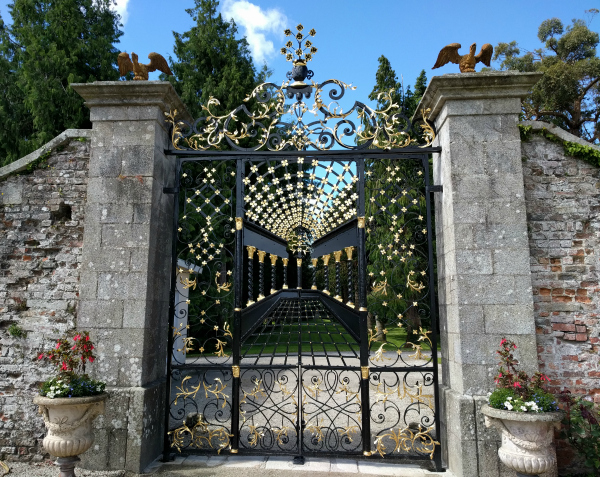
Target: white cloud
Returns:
[257, 24]
[121, 9]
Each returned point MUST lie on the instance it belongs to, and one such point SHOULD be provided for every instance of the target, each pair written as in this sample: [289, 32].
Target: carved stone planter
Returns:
[526, 439]
[69, 424]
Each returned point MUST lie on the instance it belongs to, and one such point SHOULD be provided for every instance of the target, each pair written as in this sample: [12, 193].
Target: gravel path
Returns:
[48, 469]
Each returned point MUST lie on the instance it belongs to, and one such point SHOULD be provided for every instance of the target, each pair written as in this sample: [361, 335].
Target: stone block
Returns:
[139, 160]
[11, 193]
[127, 190]
[100, 314]
[474, 262]
[513, 319]
[122, 286]
[494, 289]
[513, 261]
[125, 235]
[108, 259]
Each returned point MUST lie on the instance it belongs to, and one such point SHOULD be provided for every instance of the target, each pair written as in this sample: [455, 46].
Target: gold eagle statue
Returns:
[466, 63]
[157, 62]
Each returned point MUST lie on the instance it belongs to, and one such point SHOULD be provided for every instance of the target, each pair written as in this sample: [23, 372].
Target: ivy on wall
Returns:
[574, 149]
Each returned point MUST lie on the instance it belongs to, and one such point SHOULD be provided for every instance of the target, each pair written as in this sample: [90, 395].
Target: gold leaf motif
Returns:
[408, 439]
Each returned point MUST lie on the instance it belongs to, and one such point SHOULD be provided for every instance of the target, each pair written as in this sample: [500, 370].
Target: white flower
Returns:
[508, 405]
[509, 398]
[523, 408]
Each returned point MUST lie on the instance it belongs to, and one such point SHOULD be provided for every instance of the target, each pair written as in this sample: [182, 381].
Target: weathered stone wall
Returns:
[563, 206]
[41, 235]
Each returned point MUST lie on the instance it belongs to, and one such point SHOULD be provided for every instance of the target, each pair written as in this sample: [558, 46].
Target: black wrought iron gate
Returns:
[303, 307]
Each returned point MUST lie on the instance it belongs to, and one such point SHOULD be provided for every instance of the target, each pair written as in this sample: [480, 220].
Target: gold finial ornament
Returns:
[326, 259]
[466, 63]
[285, 261]
[314, 261]
[273, 259]
[251, 251]
[337, 255]
[302, 52]
[261, 256]
[349, 252]
[140, 71]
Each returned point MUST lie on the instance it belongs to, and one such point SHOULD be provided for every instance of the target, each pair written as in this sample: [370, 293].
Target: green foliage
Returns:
[573, 149]
[386, 80]
[509, 400]
[568, 95]
[80, 386]
[212, 62]
[581, 427]
[16, 331]
[50, 45]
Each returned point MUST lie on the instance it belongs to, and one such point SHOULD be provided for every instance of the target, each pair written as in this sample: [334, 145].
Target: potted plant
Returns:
[70, 400]
[525, 413]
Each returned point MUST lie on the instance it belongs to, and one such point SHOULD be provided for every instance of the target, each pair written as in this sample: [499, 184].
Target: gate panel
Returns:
[303, 314]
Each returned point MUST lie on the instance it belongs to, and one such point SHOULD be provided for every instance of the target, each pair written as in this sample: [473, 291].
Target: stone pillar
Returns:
[126, 265]
[484, 275]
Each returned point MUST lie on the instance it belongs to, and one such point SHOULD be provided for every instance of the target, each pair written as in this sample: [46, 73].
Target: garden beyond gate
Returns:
[303, 315]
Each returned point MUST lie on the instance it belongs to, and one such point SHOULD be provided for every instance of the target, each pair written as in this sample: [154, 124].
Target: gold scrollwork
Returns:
[408, 439]
[201, 434]
[413, 283]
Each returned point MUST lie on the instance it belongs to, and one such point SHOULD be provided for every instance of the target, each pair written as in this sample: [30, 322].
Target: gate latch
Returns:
[170, 190]
[434, 188]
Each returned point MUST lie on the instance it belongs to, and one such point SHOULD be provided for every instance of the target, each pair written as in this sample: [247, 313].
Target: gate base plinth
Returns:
[299, 460]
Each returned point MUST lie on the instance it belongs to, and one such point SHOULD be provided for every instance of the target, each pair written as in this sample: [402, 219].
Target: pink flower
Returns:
[41, 356]
[64, 366]
[514, 346]
[76, 337]
[502, 341]
[57, 346]
[516, 384]
[74, 347]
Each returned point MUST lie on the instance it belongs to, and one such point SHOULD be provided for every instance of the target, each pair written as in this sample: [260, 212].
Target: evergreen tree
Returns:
[50, 45]
[211, 62]
[396, 246]
[568, 95]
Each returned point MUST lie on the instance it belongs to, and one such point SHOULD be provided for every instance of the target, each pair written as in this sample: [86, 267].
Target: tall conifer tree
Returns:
[50, 45]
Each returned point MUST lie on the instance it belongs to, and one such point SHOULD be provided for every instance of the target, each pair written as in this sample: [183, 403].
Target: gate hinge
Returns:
[435, 188]
[170, 190]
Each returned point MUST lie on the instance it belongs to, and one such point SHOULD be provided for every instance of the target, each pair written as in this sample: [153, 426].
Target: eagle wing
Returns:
[485, 55]
[125, 64]
[157, 62]
[449, 54]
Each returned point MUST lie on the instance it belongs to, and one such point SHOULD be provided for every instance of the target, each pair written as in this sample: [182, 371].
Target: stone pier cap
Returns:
[469, 86]
[125, 98]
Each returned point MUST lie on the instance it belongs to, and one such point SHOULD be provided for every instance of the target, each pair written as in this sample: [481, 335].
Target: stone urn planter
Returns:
[69, 424]
[526, 439]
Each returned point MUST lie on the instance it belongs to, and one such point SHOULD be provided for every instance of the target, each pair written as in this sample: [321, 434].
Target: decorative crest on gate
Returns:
[262, 123]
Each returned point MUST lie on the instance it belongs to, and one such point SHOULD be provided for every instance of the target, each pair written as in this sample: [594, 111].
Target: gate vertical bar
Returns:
[362, 308]
[237, 311]
[166, 444]
[437, 456]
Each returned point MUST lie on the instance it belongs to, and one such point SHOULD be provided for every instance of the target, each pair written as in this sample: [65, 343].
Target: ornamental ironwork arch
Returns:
[339, 357]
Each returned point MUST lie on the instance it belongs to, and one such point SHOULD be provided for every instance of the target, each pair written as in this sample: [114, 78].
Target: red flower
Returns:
[87, 338]
[514, 346]
[41, 356]
[57, 346]
[77, 337]
[502, 341]
[64, 366]
[516, 384]
[91, 359]
[74, 347]
[91, 346]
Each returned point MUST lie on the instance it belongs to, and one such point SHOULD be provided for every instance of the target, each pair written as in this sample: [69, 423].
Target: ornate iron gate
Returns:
[303, 306]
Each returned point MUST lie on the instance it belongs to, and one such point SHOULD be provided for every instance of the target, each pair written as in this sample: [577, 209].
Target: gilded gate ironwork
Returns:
[303, 306]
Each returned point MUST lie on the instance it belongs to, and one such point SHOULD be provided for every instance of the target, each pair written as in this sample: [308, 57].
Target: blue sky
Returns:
[352, 34]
